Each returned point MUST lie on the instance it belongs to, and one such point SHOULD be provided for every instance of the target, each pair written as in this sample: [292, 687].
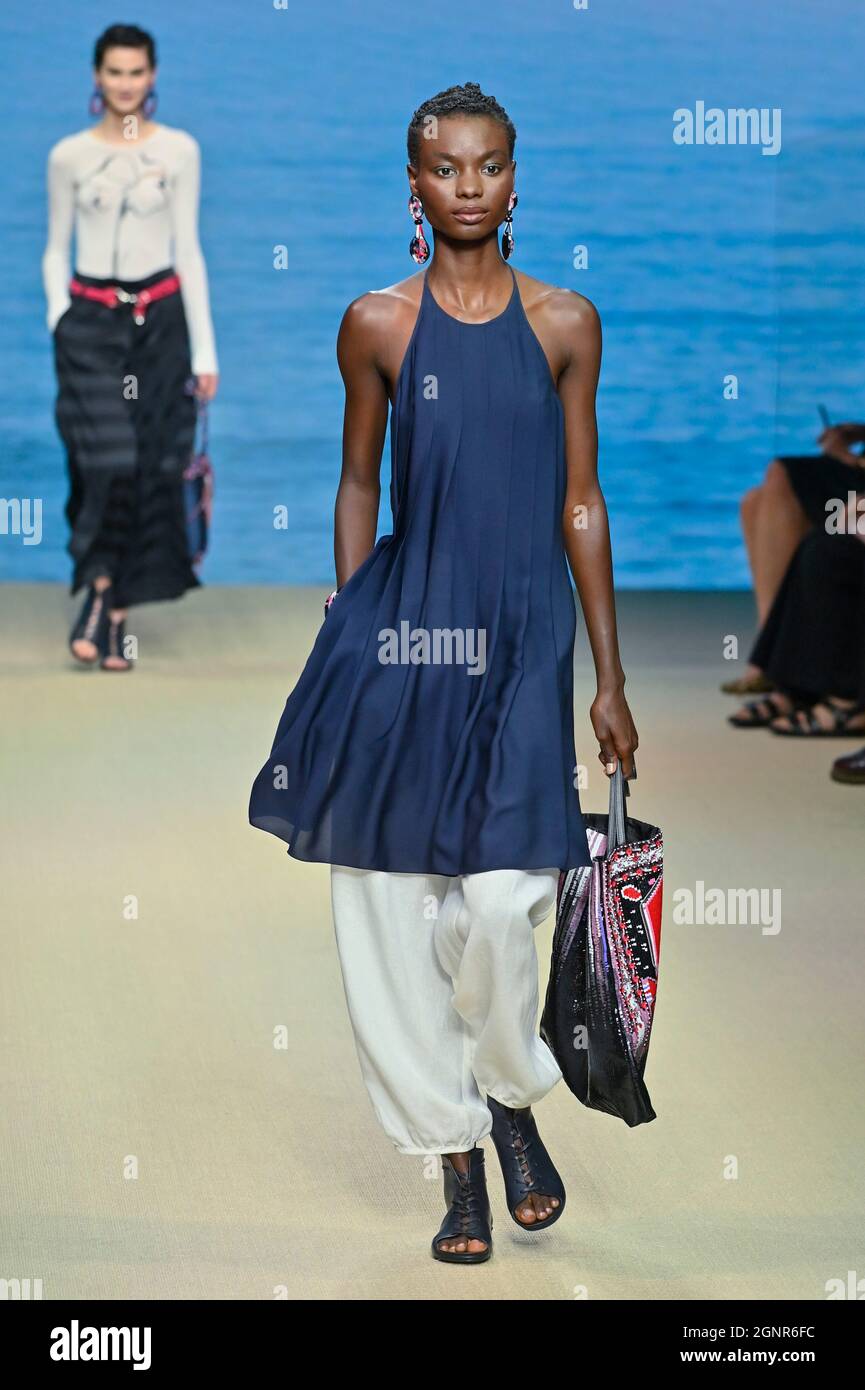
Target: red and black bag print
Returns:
[600, 1001]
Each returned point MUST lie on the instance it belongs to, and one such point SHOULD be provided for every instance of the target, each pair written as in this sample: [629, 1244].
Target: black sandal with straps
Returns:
[468, 1216]
[112, 645]
[526, 1166]
[758, 714]
[91, 624]
[841, 716]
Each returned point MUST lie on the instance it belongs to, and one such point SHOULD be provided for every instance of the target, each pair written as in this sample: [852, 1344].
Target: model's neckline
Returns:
[123, 144]
[469, 323]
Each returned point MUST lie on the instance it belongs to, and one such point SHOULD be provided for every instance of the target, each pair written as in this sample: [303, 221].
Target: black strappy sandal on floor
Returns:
[91, 624]
[115, 633]
[813, 728]
[468, 1215]
[526, 1166]
[758, 714]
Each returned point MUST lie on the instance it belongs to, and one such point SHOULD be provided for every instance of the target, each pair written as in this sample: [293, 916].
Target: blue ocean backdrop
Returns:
[706, 262]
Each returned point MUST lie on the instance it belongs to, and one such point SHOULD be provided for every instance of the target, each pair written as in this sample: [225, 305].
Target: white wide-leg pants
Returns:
[441, 981]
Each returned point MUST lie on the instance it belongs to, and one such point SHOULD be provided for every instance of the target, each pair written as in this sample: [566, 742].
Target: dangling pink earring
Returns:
[508, 242]
[97, 102]
[148, 106]
[417, 247]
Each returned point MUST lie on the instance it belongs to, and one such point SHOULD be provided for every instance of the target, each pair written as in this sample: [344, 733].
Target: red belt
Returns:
[112, 295]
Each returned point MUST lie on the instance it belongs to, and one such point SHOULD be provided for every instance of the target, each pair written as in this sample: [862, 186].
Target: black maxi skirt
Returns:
[126, 414]
[812, 643]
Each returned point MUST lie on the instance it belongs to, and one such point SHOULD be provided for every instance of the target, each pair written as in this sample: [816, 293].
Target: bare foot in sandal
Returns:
[759, 714]
[113, 658]
[828, 718]
[89, 630]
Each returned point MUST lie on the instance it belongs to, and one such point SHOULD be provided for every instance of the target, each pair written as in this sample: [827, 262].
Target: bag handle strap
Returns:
[619, 789]
[202, 419]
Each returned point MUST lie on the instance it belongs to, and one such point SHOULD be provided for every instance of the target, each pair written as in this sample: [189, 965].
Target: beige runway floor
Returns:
[155, 1143]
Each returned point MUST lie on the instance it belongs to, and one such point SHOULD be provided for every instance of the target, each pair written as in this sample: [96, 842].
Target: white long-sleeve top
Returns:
[133, 211]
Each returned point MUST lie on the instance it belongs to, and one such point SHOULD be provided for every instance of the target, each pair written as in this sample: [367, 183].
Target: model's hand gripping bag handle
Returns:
[600, 1001]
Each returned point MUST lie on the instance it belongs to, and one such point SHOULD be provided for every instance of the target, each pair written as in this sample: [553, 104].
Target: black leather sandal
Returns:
[758, 714]
[468, 1215]
[805, 724]
[91, 624]
[526, 1166]
[112, 646]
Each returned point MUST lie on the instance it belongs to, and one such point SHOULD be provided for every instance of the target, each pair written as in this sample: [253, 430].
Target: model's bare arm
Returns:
[586, 526]
[364, 426]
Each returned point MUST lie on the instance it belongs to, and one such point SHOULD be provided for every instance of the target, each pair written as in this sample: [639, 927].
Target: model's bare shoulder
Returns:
[384, 309]
[578, 311]
[359, 330]
[562, 308]
[376, 323]
[566, 324]
[408, 290]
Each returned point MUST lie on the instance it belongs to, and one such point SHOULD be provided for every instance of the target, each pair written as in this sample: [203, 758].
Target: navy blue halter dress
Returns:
[432, 728]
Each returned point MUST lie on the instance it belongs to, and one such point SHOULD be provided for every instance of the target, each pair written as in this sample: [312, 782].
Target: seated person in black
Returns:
[778, 514]
[851, 767]
[812, 645]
